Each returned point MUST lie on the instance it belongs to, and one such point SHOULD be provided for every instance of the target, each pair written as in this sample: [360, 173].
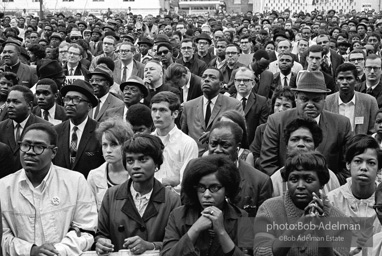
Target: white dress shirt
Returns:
[347, 109]
[129, 70]
[79, 132]
[205, 103]
[22, 126]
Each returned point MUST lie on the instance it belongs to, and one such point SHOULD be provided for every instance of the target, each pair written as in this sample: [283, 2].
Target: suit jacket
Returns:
[226, 77]
[110, 102]
[278, 84]
[376, 93]
[27, 75]
[79, 71]
[255, 188]
[137, 70]
[89, 151]
[7, 136]
[195, 65]
[59, 114]
[192, 120]
[115, 112]
[256, 112]
[263, 85]
[4, 114]
[273, 57]
[335, 60]
[6, 160]
[365, 110]
[195, 89]
[335, 128]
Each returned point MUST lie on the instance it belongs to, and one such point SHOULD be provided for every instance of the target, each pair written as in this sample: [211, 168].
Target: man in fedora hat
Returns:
[145, 45]
[126, 65]
[311, 92]
[95, 45]
[203, 42]
[101, 79]
[78, 147]
[55, 39]
[133, 91]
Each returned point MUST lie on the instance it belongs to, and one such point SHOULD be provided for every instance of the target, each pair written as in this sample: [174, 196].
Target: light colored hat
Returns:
[311, 81]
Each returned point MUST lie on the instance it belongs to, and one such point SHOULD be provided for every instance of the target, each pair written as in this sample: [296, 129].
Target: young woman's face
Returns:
[364, 167]
[208, 198]
[282, 104]
[111, 149]
[141, 167]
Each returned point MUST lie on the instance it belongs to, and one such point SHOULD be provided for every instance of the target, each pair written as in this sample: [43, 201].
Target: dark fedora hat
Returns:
[83, 87]
[49, 69]
[311, 81]
[203, 36]
[136, 81]
[113, 34]
[104, 71]
[145, 40]
[97, 30]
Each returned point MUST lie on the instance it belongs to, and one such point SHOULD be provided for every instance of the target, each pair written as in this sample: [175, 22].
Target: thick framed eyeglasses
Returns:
[213, 188]
[75, 100]
[369, 69]
[378, 208]
[239, 81]
[37, 149]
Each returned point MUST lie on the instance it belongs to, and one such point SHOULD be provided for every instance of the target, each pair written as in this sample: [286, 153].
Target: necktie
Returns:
[285, 81]
[73, 146]
[97, 110]
[208, 113]
[46, 115]
[124, 74]
[18, 132]
[369, 90]
[71, 72]
[244, 102]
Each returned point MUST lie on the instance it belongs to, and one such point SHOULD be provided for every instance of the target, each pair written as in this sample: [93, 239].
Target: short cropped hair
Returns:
[306, 123]
[234, 127]
[347, 67]
[27, 93]
[170, 97]
[146, 144]
[308, 161]
[226, 173]
[139, 114]
[53, 137]
[358, 144]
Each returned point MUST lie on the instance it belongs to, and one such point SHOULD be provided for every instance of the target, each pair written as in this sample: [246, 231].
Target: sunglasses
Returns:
[164, 52]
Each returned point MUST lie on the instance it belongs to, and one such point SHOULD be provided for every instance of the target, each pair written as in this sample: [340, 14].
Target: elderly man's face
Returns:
[222, 142]
[153, 71]
[373, 70]
[310, 104]
[76, 111]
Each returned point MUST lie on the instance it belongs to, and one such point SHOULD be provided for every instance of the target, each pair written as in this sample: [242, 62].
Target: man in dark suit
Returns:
[126, 66]
[255, 107]
[373, 83]
[285, 77]
[133, 92]
[47, 108]
[6, 160]
[145, 45]
[20, 103]
[263, 77]
[195, 65]
[78, 147]
[188, 84]
[232, 53]
[11, 58]
[255, 187]
[310, 100]
[101, 79]
[199, 114]
[314, 63]
[74, 66]
[331, 59]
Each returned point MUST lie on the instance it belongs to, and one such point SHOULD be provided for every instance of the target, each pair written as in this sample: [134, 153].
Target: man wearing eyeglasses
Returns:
[232, 53]
[108, 47]
[203, 42]
[357, 58]
[373, 83]
[255, 107]
[74, 66]
[101, 79]
[164, 53]
[20, 103]
[188, 60]
[127, 66]
[78, 147]
[62, 205]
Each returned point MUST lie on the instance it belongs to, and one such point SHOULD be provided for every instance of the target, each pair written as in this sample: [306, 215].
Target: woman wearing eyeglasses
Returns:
[356, 197]
[206, 224]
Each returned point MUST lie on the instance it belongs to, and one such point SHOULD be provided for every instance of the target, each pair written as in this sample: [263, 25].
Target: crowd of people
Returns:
[191, 135]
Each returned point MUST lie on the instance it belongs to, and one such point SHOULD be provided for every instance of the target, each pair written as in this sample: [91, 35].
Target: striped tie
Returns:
[73, 146]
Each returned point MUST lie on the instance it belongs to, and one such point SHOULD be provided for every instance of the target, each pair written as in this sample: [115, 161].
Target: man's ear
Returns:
[175, 113]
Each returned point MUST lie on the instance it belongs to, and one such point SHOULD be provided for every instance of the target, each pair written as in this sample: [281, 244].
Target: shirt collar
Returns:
[43, 183]
[103, 98]
[80, 127]
[239, 97]
[74, 68]
[136, 194]
[170, 135]
[129, 66]
[22, 124]
[52, 110]
[340, 102]
[213, 100]
[317, 119]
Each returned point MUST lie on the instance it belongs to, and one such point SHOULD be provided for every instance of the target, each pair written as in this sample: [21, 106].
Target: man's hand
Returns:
[47, 249]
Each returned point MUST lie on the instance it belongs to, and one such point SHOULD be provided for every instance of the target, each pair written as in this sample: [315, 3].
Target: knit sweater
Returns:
[281, 210]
